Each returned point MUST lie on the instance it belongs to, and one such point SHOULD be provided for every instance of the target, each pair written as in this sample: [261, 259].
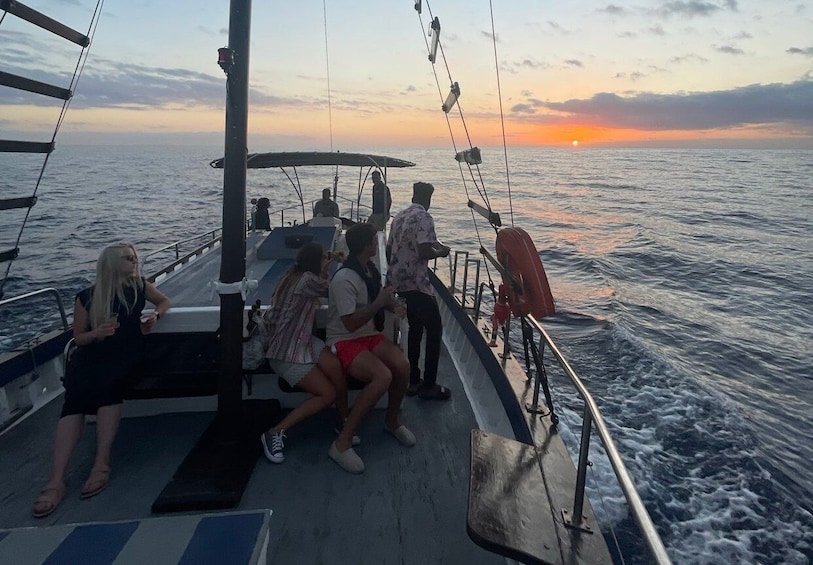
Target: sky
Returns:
[354, 74]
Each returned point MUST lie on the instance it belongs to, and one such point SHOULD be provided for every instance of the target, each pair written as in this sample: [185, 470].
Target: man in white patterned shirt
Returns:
[412, 242]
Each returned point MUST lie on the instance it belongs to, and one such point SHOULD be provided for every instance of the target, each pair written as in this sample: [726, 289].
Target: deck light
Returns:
[434, 33]
[454, 94]
[225, 58]
[469, 156]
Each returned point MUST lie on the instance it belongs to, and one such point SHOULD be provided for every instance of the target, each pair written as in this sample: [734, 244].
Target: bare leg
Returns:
[394, 359]
[107, 425]
[323, 394]
[368, 368]
[332, 367]
[68, 431]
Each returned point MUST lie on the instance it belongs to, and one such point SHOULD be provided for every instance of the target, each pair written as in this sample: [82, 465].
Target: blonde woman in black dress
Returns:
[108, 333]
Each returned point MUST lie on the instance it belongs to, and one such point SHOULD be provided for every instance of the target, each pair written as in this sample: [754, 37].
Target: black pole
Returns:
[233, 261]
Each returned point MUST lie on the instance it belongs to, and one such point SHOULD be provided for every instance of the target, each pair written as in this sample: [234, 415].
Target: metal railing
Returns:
[591, 418]
[52, 291]
[211, 234]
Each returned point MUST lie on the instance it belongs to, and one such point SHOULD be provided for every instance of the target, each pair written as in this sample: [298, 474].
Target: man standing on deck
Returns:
[412, 242]
[355, 318]
[382, 202]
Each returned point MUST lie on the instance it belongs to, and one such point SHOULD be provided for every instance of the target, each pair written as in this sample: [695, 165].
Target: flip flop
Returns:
[414, 388]
[48, 500]
[96, 483]
[435, 392]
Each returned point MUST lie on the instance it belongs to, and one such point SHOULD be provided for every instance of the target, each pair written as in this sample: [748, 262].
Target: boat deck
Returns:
[393, 513]
[267, 259]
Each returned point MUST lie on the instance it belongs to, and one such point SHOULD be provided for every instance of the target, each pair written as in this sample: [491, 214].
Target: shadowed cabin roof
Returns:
[316, 158]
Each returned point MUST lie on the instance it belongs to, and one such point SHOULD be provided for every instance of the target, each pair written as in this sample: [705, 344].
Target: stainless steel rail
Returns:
[52, 291]
[591, 413]
[211, 234]
[592, 416]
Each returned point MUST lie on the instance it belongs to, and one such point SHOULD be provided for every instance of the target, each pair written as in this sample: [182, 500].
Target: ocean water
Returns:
[683, 281]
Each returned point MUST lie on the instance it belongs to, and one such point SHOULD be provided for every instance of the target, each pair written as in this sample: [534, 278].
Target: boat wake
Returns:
[692, 454]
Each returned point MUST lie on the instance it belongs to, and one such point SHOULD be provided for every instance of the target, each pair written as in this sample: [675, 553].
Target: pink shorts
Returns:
[349, 349]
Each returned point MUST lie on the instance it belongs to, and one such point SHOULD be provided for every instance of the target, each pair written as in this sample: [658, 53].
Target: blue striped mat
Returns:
[234, 537]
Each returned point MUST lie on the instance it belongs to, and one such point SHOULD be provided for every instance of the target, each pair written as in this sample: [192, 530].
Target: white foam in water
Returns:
[690, 454]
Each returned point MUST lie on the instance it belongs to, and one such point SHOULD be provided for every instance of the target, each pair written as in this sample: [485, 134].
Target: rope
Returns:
[502, 115]
[327, 65]
[481, 191]
[77, 73]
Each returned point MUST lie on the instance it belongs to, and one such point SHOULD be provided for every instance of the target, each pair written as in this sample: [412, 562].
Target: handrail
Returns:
[639, 513]
[210, 234]
[591, 414]
[52, 291]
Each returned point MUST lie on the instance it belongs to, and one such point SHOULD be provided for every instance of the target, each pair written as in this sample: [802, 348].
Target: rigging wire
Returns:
[502, 114]
[327, 68]
[481, 191]
[77, 73]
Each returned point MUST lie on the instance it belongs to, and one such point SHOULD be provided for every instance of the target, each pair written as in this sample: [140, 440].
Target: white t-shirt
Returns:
[348, 293]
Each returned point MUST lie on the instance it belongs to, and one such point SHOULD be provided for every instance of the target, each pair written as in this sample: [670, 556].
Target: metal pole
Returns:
[581, 471]
[233, 262]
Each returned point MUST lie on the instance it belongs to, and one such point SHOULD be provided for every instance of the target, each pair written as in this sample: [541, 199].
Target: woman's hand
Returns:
[106, 329]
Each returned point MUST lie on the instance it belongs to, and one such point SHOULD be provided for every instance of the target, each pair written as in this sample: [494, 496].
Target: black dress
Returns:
[98, 372]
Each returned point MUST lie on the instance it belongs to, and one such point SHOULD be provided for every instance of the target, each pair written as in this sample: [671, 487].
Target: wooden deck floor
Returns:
[408, 507]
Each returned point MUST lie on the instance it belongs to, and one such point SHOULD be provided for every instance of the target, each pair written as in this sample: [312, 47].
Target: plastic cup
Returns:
[400, 307]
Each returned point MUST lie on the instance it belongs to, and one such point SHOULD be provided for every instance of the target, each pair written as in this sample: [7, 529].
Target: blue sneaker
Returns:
[273, 445]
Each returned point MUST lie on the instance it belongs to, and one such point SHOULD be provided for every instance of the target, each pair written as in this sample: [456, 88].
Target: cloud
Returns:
[797, 51]
[108, 84]
[634, 76]
[657, 30]
[694, 8]
[574, 63]
[613, 10]
[729, 50]
[690, 58]
[749, 105]
[557, 28]
[490, 36]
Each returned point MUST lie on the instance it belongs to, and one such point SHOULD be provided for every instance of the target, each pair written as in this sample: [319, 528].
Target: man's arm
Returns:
[433, 250]
[354, 321]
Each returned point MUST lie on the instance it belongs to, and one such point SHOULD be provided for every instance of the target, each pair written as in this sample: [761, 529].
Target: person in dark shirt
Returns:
[108, 330]
[261, 219]
[325, 208]
[382, 202]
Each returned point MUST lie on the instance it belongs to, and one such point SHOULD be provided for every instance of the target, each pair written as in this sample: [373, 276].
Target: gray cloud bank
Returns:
[750, 105]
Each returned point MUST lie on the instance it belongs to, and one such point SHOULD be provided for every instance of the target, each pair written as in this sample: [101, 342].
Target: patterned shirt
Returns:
[410, 228]
[290, 318]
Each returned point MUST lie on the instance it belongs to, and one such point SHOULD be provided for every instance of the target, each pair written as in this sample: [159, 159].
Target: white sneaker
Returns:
[347, 460]
[339, 426]
[273, 445]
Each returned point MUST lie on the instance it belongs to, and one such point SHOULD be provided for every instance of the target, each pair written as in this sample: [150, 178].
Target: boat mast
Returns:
[233, 259]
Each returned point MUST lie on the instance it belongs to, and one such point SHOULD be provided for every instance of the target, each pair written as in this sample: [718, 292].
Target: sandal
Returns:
[414, 388]
[435, 392]
[48, 500]
[96, 483]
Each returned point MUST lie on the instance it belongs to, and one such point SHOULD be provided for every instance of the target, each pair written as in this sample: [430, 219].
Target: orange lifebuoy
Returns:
[517, 253]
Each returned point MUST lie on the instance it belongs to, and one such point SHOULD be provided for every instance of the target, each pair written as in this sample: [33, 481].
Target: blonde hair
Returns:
[110, 283]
